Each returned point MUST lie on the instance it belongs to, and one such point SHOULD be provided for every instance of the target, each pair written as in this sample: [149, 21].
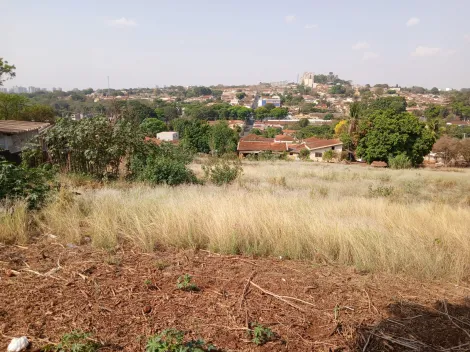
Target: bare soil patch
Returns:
[48, 289]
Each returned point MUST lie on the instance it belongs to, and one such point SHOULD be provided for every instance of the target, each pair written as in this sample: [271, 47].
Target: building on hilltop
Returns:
[308, 80]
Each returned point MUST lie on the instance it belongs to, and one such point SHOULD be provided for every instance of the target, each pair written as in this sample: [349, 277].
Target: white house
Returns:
[168, 136]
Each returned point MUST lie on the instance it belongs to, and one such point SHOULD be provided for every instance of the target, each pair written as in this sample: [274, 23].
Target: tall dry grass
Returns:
[329, 213]
[14, 221]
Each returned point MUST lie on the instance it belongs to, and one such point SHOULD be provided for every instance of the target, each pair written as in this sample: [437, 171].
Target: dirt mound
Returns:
[48, 289]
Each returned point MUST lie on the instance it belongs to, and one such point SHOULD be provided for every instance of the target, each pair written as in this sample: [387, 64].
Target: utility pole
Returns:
[108, 87]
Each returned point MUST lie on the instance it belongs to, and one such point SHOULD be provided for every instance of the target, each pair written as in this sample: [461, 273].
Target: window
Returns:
[318, 155]
[333, 148]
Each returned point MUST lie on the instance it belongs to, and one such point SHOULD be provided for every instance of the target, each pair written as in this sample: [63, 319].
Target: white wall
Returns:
[338, 149]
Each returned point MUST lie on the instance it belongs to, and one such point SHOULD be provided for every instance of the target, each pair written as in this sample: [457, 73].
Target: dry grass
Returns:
[14, 223]
[318, 212]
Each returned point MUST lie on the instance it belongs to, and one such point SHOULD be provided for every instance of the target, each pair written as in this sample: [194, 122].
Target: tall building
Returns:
[18, 90]
[3, 90]
[308, 80]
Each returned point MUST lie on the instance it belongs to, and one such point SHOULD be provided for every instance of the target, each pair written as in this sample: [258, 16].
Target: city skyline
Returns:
[144, 44]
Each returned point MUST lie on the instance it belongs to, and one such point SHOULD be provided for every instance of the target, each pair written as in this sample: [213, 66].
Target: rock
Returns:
[18, 344]
[147, 309]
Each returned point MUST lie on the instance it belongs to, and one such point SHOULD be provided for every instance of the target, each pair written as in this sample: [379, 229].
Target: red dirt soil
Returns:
[47, 289]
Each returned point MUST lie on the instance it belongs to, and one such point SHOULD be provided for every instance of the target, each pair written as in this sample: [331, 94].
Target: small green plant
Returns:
[261, 334]
[184, 283]
[172, 340]
[329, 155]
[76, 341]
[148, 282]
[381, 191]
[222, 171]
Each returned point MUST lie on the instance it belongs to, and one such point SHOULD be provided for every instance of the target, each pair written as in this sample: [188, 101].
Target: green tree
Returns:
[256, 131]
[170, 113]
[328, 116]
[434, 91]
[6, 71]
[271, 132]
[12, 106]
[303, 123]
[194, 134]
[279, 113]
[337, 89]
[222, 139]
[38, 113]
[241, 95]
[261, 113]
[151, 126]
[387, 134]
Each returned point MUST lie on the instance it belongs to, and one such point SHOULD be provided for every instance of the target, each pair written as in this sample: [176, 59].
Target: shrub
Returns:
[261, 334]
[184, 283]
[76, 341]
[164, 164]
[329, 155]
[172, 340]
[221, 172]
[21, 182]
[381, 191]
[401, 161]
[304, 154]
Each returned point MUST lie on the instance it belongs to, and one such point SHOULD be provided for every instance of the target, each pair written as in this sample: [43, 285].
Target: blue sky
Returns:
[188, 42]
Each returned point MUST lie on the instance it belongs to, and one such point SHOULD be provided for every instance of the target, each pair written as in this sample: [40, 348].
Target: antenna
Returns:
[108, 86]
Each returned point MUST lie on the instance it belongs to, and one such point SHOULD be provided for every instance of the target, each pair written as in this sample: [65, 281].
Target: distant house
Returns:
[319, 146]
[275, 100]
[15, 135]
[168, 136]
[245, 148]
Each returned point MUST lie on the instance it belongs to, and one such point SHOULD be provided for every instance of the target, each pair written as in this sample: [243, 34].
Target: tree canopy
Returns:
[6, 71]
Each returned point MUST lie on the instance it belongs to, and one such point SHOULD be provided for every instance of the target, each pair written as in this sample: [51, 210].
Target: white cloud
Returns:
[422, 51]
[311, 26]
[290, 18]
[369, 55]
[413, 21]
[122, 22]
[361, 45]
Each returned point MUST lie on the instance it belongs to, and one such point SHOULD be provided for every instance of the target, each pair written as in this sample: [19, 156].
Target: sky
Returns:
[145, 43]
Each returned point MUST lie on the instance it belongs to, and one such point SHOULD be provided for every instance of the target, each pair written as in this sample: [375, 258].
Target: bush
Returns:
[21, 182]
[76, 341]
[304, 154]
[400, 161]
[221, 172]
[172, 340]
[164, 164]
[329, 155]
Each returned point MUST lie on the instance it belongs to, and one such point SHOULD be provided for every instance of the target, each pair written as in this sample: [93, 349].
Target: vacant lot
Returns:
[414, 222]
[329, 257]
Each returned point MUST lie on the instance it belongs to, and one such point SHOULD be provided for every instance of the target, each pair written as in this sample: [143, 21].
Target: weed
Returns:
[321, 192]
[113, 260]
[184, 283]
[162, 265]
[261, 334]
[148, 282]
[381, 191]
[172, 340]
[278, 181]
[76, 341]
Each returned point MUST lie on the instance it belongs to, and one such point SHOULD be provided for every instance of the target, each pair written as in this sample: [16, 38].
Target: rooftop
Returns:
[244, 146]
[323, 143]
[16, 127]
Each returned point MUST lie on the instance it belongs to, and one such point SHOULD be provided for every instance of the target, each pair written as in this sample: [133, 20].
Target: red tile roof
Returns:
[323, 143]
[296, 148]
[283, 137]
[256, 138]
[244, 146]
[311, 139]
